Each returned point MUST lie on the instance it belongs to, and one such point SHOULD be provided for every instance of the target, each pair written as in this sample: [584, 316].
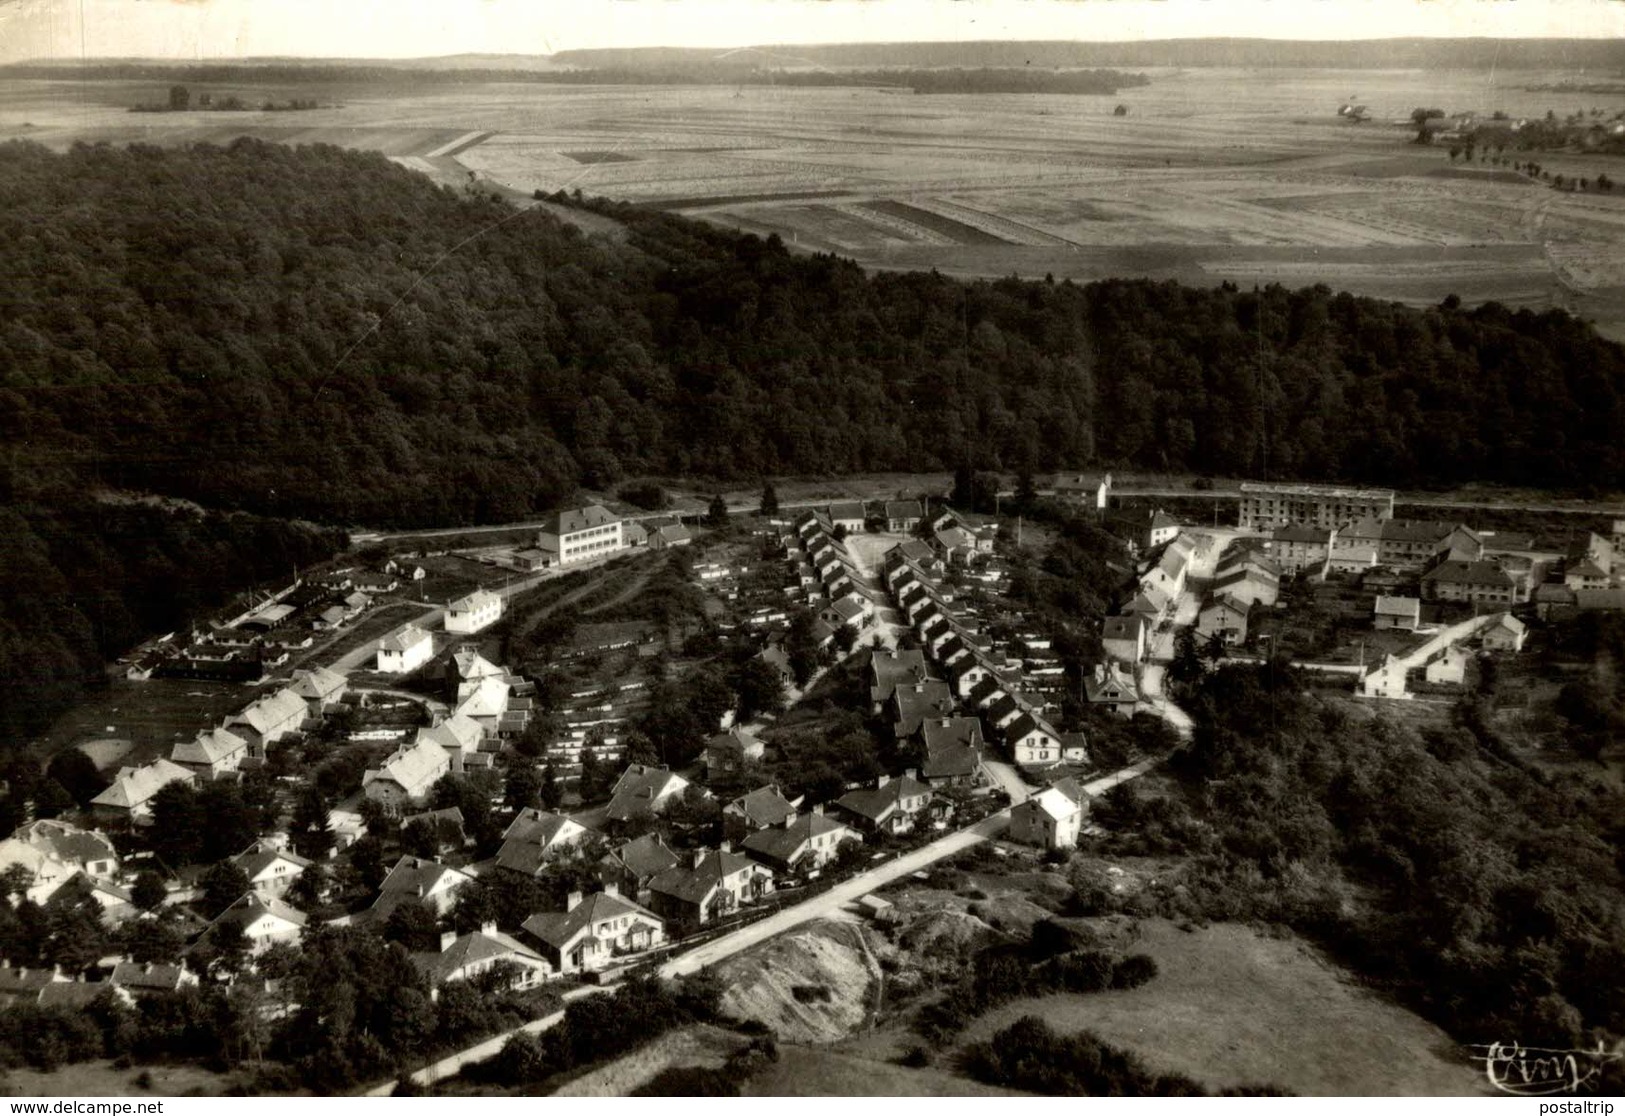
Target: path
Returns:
[1009, 780]
[1455, 633]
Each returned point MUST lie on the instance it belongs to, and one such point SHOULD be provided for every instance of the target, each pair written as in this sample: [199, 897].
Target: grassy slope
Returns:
[1231, 1006]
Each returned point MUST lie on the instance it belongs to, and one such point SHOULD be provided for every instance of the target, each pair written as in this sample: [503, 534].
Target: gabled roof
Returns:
[414, 769]
[951, 761]
[476, 948]
[148, 976]
[1397, 606]
[271, 712]
[558, 928]
[135, 785]
[541, 827]
[252, 905]
[1111, 684]
[673, 533]
[415, 876]
[1060, 801]
[851, 509]
[947, 732]
[68, 843]
[317, 685]
[643, 858]
[471, 664]
[876, 802]
[459, 732]
[1302, 533]
[478, 599]
[639, 788]
[888, 668]
[1025, 725]
[1456, 572]
[694, 884]
[257, 860]
[1416, 530]
[404, 640]
[1508, 621]
[208, 748]
[920, 700]
[782, 843]
[903, 509]
[1121, 627]
[1228, 603]
[582, 519]
[763, 806]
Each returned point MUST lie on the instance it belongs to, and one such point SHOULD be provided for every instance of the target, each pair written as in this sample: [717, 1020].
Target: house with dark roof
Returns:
[263, 920]
[888, 669]
[1031, 741]
[147, 978]
[1226, 616]
[803, 844]
[1404, 613]
[710, 886]
[851, 515]
[727, 754]
[761, 808]
[475, 954]
[902, 516]
[643, 790]
[630, 867]
[1505, 633]
[913, 703]
[591, 933]
[532, 837]
[892, 805]
[270, 868]
[1302, 546]
[1478, 582]
[416, 879]
[1124, 638]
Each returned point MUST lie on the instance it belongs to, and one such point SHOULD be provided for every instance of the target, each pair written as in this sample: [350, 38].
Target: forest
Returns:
[317, 332]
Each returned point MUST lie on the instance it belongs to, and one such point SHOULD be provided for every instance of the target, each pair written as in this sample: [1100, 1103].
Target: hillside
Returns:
[319, 333]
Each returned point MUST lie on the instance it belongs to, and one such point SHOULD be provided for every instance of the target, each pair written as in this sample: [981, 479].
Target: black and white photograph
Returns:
[811, 548]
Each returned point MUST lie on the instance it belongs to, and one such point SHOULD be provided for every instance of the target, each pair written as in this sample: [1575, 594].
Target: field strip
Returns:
[862, 211]
[1002, 228]
[958, 230]
[460, 144]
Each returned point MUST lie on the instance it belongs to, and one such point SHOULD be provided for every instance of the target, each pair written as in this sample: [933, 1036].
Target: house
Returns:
[592, 932]
[803, 844]
[916, 702]
[956, 545]
[581, 534]
[319, 688]
[888, 669]
[642, 790]
[631, 866]
[1123, 638]
[264, 921]
[532, 836]
[466, 956]
[1404, 613]
[1031, 741]
[26, 985]
[407, 776]
[1090, 491]
[415, 879]
[892, 805]
[1052, 818]
[1249, 582]
[633, 533]
[269, 719]
[776, 657]
[1505, 633]
[1113, 688]
[76, 995]
[714, 885]
[134, 787]
[1300, 546]
[1386, 679]
[1142, 529]
[404, 651]
[212, 752]
[375, 582]
[531, 559]
[850, 516]
[902, 516]
[457, 734]
[1225, 616]
[46, 873]
[1168, 575]
[1479, 582]
[1351, 559]
[670, 535]
[147, 978]
[330, 619]
[81, 850]
[270, 870]
[1450, 668]
[479, 610]
[953, 752]
[1412, 542]
[761, 808]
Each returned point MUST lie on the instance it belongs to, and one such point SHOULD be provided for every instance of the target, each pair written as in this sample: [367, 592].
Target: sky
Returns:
[208, 29]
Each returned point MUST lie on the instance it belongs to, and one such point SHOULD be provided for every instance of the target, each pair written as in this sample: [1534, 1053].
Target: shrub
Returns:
[1133, 971]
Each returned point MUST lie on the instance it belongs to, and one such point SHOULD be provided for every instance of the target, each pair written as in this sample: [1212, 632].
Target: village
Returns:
[525, 824]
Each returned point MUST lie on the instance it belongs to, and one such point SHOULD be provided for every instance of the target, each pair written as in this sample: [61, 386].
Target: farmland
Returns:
[1248, 176]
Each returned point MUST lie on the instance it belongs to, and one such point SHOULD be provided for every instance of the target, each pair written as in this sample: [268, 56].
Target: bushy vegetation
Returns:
[1031, 1056]
[1484, 892]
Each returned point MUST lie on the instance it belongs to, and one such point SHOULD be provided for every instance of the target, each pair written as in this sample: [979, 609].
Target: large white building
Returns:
[480, 609]
[1266, 506]
[404, 651]
[581, 534]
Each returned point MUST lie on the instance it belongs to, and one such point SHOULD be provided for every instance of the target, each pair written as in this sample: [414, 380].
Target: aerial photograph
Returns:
[811, 548]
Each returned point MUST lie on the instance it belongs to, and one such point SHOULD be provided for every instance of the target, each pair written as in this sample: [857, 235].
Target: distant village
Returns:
[907, 592]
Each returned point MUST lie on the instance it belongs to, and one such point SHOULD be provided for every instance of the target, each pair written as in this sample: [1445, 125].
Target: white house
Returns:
[417, 880]
[1449, 668]
[406, 777]
[269, 719]
[1052, 818]
[581, 534]
[270, 870]
[590, 933]
[134, 787]
[263, 920]
[404, 651]
[480, 609]
[212, 752]
[1386, 680]
[467, 956]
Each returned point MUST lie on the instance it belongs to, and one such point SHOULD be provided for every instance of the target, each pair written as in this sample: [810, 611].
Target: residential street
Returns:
[1456, 633]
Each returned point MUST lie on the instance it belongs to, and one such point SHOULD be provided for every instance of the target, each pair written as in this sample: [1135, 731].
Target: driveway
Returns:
[1009, 780]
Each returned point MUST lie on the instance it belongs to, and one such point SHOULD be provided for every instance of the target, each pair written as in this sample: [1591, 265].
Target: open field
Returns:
[1248, 176]
[1230, 1006]
[805, 1071]
[100, 1079]
[151, 715]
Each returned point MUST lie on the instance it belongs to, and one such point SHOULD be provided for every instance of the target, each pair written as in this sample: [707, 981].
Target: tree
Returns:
[770, 500]
[311, 836]
[223, 884]
[760, 690]
[521, 787]
[77, 774]
[801, 646]
[716, 515]
[549, 793]
[414, 926]
[148, 892]
[178, 824]
[1420, 118]
[180, 98]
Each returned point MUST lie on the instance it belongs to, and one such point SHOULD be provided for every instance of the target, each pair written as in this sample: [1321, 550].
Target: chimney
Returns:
[573, 901]
[911, 772]
[448, 938]
[882, 781]
[1100, 672]
[727, 846]
[612, 888]
[488, 927]
[699, 856]
[421, 891]
[818, 810]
